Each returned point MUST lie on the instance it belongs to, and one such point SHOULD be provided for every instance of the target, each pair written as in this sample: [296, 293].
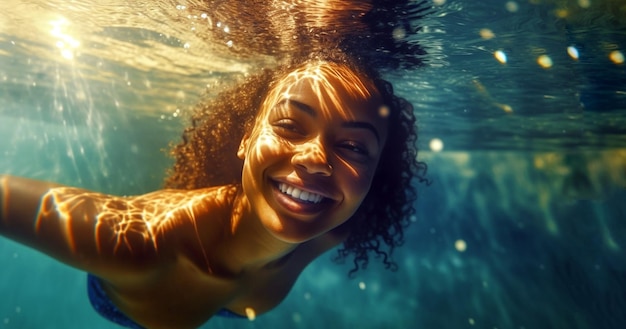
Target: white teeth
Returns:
[297, 193]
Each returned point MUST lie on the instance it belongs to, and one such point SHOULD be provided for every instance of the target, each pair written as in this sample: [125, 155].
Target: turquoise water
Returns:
[523, 226]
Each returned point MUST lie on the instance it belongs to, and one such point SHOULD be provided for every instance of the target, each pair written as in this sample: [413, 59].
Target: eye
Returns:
[355, 150]
[288, 126]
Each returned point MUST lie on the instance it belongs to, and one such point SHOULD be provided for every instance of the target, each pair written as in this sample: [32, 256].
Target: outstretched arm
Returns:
[95, 232]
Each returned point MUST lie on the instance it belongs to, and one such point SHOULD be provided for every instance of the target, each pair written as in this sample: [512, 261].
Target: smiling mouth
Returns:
[300, 195]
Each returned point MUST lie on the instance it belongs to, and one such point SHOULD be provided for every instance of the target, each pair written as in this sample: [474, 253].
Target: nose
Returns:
[312, 158]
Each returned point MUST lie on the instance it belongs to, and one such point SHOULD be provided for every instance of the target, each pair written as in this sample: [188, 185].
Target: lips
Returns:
[300, 200]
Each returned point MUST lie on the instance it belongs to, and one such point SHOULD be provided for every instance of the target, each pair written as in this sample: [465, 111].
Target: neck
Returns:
[248, 245]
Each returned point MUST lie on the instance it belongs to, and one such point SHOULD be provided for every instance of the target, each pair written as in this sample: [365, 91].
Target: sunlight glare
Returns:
[65, 42]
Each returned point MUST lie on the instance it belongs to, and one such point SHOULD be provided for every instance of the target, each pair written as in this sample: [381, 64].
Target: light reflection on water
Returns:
[529, 167]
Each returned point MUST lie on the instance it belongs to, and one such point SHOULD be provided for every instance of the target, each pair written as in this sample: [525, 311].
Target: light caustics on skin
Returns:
[326, 79]
[123, 225]
[330, 94]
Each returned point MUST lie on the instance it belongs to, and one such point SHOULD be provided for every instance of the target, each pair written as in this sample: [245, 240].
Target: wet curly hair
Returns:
[206, 156]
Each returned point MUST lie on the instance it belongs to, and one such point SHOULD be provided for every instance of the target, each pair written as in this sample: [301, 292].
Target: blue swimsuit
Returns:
[103, 305]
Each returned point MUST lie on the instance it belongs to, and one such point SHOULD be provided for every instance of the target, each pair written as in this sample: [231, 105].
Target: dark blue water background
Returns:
[531, 178]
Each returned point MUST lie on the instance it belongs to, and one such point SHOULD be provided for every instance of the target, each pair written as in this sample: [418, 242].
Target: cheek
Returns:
[357, 185]
[265, 147]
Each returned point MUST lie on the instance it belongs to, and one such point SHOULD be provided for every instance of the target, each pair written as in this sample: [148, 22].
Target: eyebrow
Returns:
[302, 107]
[349, 124]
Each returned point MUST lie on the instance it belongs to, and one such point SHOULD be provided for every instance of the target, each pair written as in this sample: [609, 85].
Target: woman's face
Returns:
[313, 151]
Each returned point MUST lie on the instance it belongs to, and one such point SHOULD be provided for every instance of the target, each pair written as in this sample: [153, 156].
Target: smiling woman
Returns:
[324, 155]
[386, 209]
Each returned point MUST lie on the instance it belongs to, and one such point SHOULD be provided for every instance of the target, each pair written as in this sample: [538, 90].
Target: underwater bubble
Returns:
[584, 3]
[398, 33]
[512, 6]
[439, 2]
[296, 317]
[362, 285]
[544, 61]
[486, 34]
[500, 56]
[436, 145]
[460, 245]
[471, 321]
[616, 57]
[572, 52]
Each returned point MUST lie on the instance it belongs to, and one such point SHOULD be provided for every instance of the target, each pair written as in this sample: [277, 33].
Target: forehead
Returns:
[330, 88]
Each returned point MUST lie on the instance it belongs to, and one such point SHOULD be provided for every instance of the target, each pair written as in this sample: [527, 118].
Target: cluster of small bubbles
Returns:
[486, 34]
[616, 57]
[460, 245]
[511, 6]
[500, 56]
[176, 113]
[436, 145]
[229, 43]
[181, 7]
[186, 45]
[362, 285]
[544, 61]
[572, 52]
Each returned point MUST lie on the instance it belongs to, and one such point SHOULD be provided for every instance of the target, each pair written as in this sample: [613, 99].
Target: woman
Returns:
[328, 158]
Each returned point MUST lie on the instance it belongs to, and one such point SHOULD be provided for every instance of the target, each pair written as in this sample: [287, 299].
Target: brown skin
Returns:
[173, 258]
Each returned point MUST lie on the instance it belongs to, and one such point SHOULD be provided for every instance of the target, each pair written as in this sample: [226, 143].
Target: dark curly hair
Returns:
[207, 157]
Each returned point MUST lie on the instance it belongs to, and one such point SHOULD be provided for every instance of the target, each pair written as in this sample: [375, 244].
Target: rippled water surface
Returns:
[522, 117]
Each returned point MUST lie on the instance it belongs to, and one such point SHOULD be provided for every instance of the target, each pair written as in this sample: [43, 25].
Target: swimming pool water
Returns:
[523, 226]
